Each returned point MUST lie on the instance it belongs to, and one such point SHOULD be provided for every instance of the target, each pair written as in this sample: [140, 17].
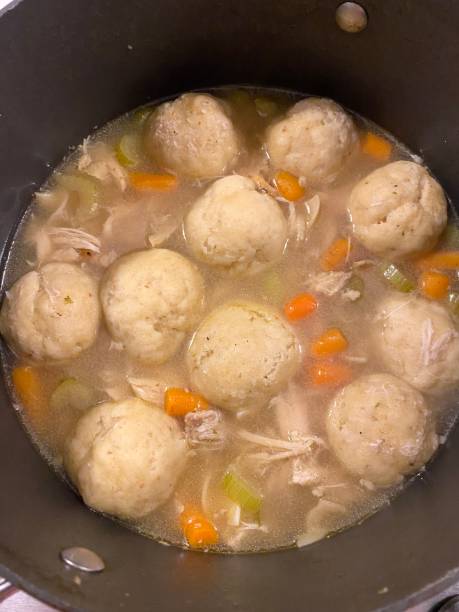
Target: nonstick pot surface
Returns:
[69, 66]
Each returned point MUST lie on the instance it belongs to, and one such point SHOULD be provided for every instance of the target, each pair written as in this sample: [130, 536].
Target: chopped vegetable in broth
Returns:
[233, 319]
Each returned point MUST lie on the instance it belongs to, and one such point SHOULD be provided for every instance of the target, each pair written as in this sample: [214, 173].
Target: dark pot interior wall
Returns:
[66, 67]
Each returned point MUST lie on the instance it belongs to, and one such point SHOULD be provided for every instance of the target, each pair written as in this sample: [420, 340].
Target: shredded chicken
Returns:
[363, 263]
[254, 526]
[62, 243]
[321, 512]
[328, 283]
[74, 238]
[99, 162]
[350, 295]
[321, 490]
[113, 385]
[348, 252]
[355, 358]
[263, 185]
[291, 411]
[162, 230]
[205, 502]
[243, 529]
[431, 350]
[116, 392]
[305, 443]
[264, 460]
[149, 389]
[304, 473]
[204, 428]
[310, 537]
[68, 255]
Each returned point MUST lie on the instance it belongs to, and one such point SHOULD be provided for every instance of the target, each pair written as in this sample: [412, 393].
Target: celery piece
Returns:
[128, 150]
[71, 394]
[272, 285]
[397, 279]
[241, 493]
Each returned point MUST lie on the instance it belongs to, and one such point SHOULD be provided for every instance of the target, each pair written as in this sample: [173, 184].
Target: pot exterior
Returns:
[70, 66]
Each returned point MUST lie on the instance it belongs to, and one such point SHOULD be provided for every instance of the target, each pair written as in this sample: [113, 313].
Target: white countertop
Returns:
[3, 3]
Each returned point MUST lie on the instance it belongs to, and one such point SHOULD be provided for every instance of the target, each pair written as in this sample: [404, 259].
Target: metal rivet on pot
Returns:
[351, 17]
[83, 559]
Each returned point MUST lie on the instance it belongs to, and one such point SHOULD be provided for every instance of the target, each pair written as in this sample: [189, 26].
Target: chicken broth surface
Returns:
[259, 477]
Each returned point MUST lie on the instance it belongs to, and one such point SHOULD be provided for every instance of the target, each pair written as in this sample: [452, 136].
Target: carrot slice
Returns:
[289, 186]
[299, 307]
[158, 182]
[376, 146]
[199, 532]
[178, 402]
[330, 373]
[330, 342]
[29, 389]
[336, 254]
[434, 285]
[441, 260]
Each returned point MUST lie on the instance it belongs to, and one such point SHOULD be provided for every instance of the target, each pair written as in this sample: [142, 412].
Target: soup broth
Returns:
[266, 477]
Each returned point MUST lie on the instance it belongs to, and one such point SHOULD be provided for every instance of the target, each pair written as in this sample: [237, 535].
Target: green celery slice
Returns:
[71, 394]
[127, 150]
[397, 279]
[272, 285]
[241, 493]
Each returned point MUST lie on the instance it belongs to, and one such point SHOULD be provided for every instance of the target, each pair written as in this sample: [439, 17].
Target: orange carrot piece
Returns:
[434, 285]
[299, 307]
[289, 186]
[330, 373]
[29, 389]
[336, 254]
[330, 342]
[158, 182]
[441, 260]
[178, 402]
[199, 532]
[376, 146]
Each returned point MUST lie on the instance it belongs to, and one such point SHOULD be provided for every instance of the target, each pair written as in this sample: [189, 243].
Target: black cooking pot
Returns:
[67, 67]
